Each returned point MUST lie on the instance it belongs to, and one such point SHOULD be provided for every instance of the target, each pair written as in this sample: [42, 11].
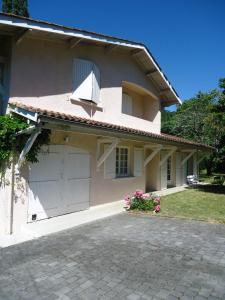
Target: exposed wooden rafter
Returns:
[21, 34]
[135, 51]
[162, 91]
[110, 48]
[150, 72]
[74, 42]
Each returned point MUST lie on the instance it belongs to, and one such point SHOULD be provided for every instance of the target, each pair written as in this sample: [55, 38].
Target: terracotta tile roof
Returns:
[109, 126]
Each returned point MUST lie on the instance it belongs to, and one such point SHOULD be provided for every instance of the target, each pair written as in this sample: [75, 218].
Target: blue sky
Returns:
[187, 37]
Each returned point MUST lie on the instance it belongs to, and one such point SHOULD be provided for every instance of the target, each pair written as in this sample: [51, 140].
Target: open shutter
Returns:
[138, 162]
[110, 164]
[96, 84]
[83, 79]
[126, 104]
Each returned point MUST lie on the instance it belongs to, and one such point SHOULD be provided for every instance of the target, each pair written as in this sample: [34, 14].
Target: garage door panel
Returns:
[47, 168]
[44, 199]
[77, 166]
[59, 182]
[77, 194]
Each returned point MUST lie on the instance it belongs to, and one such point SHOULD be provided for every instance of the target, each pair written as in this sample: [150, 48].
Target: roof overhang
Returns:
[61, 121]
[18, 26]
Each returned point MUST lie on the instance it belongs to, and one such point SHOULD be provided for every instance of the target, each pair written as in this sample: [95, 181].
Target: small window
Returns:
[122, 161]
[169, 169]
[86, 80]
[126, 104]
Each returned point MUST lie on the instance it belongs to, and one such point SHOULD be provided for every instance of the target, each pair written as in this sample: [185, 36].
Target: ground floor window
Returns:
[122, 161]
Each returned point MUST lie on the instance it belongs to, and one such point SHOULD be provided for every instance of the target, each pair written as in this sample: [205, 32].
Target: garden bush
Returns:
[142, 202]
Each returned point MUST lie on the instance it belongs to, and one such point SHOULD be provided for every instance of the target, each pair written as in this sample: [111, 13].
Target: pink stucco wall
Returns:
[42, 74]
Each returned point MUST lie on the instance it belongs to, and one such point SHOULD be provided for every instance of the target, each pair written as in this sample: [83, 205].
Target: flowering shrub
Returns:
[141, 201]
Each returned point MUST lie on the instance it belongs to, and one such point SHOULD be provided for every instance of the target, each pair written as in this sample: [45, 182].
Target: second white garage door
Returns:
[59, 183]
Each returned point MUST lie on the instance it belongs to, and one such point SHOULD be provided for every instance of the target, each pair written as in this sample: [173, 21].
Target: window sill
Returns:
[84, 102]
[124, 178]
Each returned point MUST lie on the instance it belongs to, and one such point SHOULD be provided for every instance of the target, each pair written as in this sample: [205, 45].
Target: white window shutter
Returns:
[110, 164]
[83, 79]
[126, 104]
[96, 84]
[138, 162]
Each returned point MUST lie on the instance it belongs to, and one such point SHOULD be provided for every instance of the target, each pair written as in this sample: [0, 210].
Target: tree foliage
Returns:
[7, 6]
[202, 119]
[16, 7]
[10, 143]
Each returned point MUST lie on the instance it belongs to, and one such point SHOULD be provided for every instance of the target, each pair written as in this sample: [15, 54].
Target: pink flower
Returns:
[157, 208]
[157, 201]
[127, 200]
[138, 193]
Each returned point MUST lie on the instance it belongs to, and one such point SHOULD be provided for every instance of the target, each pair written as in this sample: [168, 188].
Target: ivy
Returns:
[9, 143]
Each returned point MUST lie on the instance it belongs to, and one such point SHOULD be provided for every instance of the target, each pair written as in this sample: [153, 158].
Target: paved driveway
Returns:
[122, 257]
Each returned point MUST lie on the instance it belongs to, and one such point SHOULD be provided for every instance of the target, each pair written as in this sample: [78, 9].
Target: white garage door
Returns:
[59, 182]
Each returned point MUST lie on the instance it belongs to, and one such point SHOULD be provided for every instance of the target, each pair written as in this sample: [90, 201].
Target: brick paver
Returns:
[122, 257]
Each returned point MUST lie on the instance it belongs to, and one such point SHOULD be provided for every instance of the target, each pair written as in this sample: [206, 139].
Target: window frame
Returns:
[119, 174]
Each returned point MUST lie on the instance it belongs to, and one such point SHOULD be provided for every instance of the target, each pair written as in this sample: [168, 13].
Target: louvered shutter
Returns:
[83, 79]
[138, 162]
[110, 164]
[86, 81]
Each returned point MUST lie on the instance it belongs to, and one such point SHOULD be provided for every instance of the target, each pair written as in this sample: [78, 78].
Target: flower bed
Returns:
[142, 202]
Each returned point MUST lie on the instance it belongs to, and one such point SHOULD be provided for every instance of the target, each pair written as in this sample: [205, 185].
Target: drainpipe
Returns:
[35, 131]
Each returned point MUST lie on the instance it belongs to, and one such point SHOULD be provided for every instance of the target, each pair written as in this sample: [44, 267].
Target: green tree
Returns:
[7, 6]
[202, 119]
[20, 8]
[17, 7]
[167, 121]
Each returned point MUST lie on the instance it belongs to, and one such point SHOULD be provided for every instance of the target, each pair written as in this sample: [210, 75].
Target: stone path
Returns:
[121, 257]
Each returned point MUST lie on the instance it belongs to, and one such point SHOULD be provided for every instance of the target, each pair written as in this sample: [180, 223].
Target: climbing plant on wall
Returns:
[10, 143]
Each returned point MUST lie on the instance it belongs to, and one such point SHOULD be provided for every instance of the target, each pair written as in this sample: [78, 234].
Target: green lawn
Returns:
[203, 177]
[202, 203]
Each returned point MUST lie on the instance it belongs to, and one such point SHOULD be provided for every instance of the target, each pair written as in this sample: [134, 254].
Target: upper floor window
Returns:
[86, 80]
[127, 104]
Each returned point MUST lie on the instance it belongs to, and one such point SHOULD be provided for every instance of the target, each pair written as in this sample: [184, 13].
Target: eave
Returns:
[17, 27]
[102, 128]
